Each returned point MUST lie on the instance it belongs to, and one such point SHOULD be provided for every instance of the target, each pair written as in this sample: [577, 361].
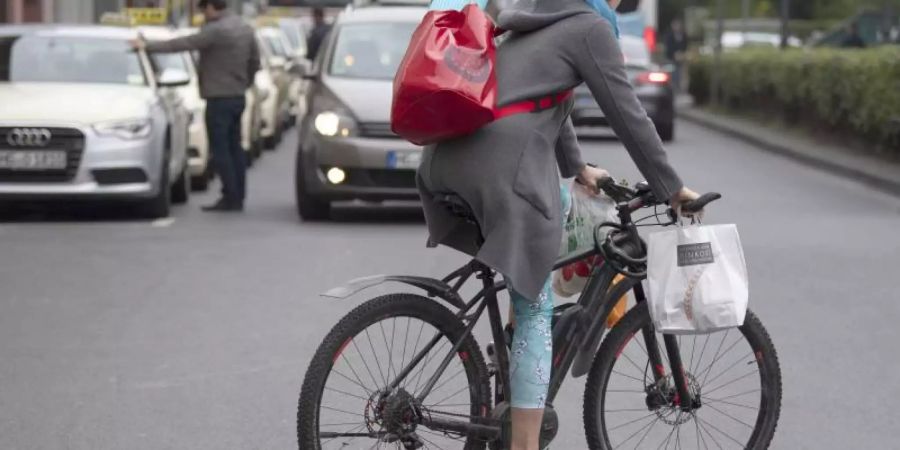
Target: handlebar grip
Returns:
[695, 206]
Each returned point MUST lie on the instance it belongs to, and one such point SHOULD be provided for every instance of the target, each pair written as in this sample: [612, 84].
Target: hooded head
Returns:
[531, 15]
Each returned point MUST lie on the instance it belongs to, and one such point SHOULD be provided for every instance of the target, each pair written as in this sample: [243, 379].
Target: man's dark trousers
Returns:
[223, 127]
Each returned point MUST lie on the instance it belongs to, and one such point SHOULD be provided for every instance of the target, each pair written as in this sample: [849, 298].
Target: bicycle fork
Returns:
[684, 399]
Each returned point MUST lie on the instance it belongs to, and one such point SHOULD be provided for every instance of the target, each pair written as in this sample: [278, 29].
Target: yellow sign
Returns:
[117, 19]
[148, 16]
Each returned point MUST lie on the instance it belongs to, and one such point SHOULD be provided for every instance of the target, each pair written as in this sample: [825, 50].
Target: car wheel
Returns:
[666, 131]
[181, 190]
[159, 206]
[308, 207]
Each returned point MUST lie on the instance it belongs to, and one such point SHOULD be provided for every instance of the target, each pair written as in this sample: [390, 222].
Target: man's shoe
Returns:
[223, 206]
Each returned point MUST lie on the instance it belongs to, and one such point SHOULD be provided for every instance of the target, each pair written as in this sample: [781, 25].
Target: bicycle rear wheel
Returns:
[345, 401]
[735, 373]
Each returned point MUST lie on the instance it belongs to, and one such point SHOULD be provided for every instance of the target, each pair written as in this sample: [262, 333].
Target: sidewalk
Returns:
[878, 173]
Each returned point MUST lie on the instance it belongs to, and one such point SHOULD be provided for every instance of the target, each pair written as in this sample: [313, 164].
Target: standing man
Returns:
[676, 49]
[318, 34]
[229, 60]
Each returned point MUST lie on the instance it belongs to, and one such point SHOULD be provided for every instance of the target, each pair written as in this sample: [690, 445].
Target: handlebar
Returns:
[635, 199]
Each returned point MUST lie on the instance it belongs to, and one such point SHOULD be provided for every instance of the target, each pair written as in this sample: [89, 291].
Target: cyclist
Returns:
[506, 173]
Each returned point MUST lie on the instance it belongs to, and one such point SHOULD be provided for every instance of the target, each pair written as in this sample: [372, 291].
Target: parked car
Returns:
[276, 63]
[653, 86]
[347, 150]
[295, 32]
[199, 162]
[86, 117]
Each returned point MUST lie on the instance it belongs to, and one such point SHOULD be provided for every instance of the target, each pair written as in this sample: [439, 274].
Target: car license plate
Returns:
[33, 159]
[404, 160]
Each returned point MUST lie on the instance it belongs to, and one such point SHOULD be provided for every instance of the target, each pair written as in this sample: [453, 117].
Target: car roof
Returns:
[85, 31]
[386, 14]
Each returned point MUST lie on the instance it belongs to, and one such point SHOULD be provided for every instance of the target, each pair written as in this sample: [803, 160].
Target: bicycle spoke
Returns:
[647, 427]
[722, 433]
[628, 376]
[731, 417]
[732, 404]
[452, 377]
[640, 370]
[703, 350]
[716, 359]
[668, 438]
[346, 393]
[430, 357]
[414, 353]
[740, 360]
[731, 382]
[375, 355]
[452, 395]
[699, 434]
[693, 348]
[355, 375]
[341, 411]
[703, 427]
[365, 363]
[647, 433]
[348, 379]
[632, 421]
[733, 396]
[405, 341]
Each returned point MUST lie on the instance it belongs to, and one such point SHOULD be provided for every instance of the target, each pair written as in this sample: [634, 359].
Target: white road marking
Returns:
[165, 222]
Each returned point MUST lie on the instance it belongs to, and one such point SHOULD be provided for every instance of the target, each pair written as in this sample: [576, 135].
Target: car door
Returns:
[174, 105]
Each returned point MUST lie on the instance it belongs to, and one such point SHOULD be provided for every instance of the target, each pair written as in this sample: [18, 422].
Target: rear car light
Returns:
[653, 78]
[650, 38]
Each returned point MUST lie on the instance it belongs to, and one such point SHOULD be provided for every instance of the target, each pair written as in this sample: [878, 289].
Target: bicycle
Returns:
[638, 394]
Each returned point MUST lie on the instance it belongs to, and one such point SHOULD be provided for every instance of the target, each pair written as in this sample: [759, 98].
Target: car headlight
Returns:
[125, 129]
[331, 124]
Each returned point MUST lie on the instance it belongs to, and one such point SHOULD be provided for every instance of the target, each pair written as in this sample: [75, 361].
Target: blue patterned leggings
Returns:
[532, 348]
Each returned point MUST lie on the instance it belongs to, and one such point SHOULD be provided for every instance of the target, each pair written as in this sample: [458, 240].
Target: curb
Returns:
[889, 184]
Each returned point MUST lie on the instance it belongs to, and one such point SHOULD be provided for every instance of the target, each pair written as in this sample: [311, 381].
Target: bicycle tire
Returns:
[373, 312]
[634, 321]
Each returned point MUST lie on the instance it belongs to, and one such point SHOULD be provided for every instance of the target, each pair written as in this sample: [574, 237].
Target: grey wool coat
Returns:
[508, 171]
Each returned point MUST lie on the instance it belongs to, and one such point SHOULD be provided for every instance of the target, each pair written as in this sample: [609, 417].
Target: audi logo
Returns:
[29, 137]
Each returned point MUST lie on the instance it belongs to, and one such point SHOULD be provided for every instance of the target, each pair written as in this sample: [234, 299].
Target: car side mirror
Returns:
[173, 78]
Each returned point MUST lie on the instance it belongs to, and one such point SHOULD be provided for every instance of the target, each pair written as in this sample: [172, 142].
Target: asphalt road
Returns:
[195, 332]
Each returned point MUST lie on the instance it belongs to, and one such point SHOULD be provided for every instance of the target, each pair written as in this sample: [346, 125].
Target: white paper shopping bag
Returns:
[697, 279]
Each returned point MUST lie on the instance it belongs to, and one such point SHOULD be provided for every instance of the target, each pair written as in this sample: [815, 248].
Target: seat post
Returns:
[501, 385]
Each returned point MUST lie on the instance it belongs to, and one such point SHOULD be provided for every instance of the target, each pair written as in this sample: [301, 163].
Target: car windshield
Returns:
[636, 52]
[275, 44]
[69, 60]
[370, 51]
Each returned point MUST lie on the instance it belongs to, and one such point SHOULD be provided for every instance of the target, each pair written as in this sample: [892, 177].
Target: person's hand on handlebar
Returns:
[683, 196]
[590, 177]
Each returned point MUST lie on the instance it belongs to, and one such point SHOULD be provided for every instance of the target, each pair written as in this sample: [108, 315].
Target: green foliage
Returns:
[847, 91]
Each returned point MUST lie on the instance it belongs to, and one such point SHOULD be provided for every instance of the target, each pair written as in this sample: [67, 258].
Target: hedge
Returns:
[854, 92]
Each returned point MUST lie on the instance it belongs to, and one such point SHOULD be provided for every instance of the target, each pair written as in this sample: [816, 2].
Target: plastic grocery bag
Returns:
[697, 279]
[583, 212]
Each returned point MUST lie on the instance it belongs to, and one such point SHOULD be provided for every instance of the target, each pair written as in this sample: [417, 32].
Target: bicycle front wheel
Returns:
[346, 400]
[734, 373]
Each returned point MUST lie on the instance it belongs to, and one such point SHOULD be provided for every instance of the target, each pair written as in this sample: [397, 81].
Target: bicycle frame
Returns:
[576, 335]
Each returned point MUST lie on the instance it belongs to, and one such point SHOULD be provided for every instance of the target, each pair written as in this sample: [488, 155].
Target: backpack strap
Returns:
[532, 105]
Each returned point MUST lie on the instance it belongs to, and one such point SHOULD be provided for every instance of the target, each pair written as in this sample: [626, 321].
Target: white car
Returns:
[199, 161]
[275, 77]
[86, 117]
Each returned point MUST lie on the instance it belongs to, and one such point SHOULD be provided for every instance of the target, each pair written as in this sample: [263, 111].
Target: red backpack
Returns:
[446, 86]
